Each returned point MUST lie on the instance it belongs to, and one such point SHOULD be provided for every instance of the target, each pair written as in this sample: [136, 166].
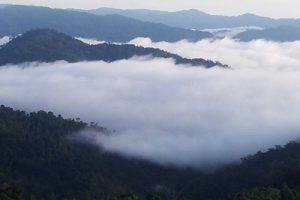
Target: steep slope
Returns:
[38, 153]
[279, 34]
[194, 19]
[274, 168]
[44, 45]
[112, 28]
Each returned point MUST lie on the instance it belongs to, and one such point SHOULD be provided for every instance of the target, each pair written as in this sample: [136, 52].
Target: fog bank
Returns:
[173, 114]
[257, 54]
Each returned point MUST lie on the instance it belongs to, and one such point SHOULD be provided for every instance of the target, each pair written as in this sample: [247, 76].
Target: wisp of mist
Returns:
[4, 40]
[173, 114]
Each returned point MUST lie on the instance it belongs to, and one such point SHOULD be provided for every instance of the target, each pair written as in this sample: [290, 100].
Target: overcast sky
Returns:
[272, 8]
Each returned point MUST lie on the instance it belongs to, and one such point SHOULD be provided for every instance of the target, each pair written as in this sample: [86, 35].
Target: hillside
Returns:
[37, 153]
[194, 19]
[277, 167]
[44, 45]
[113, 28]
[278, 34]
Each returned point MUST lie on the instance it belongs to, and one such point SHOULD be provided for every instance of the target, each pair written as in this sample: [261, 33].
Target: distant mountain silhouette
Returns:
[194, 19]
[46, 45]
[112, 28]
[279, 34]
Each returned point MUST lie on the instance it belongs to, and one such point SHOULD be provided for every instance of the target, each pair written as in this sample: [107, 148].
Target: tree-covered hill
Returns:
[274, 168]
[45, 45]
[113, 28]
[38, 154]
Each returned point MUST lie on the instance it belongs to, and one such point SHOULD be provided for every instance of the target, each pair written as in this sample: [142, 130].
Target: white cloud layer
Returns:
[231, 32]
[4, 40]
[172, 114]
[90, 41]
[259, 54]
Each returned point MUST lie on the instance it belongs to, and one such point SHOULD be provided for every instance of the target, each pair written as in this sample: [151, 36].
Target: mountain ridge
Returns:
[112, 28]
[47, 45]
[277, 34]
[195, 19]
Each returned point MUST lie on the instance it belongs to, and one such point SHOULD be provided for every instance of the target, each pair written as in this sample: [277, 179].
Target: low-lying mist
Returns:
[259, 54]
[172, 114]
[231, 32]
[4, 40]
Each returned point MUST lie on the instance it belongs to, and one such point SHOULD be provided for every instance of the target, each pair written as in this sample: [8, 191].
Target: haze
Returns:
[270, 8]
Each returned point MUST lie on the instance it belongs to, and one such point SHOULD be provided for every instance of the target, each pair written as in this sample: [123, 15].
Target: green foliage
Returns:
[129, 197]
[8, 192]
[273, 168]
[268, 193]
[287, 194]
[259, 194]
[39, 153]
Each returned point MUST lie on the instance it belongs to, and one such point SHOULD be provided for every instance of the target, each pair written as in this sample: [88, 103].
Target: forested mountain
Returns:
[45, 45]
[279, 34]
[194, 19]
[275, 168]
[38, 153]
[45, 156]
[113, 28]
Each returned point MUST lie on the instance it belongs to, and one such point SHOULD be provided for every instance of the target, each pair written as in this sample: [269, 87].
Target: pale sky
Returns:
[271, 8]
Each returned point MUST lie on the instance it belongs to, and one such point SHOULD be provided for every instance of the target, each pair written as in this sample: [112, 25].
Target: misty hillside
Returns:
[194, 19]
[278, 34]
[40, 153]
[113, 28]
[139, 104]
[275, 168]
[45, 45]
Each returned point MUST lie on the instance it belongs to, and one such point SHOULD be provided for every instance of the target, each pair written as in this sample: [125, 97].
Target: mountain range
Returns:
[280, 30]
[45, 45]
[44, 156]
[117, 25]
[195, 19]
[111, 28]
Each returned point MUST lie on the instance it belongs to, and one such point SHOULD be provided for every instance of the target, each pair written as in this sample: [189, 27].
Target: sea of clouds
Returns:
[173, 114]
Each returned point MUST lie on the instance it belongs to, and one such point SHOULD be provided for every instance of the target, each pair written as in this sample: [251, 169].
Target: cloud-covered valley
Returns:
[173, 114]
[260, 54]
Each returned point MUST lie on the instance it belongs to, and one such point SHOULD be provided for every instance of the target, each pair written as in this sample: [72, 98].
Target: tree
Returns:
[287, 193]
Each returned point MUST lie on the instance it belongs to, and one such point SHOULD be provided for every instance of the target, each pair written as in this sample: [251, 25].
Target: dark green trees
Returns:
[38, 152]
[8, 192]
[269, 193]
